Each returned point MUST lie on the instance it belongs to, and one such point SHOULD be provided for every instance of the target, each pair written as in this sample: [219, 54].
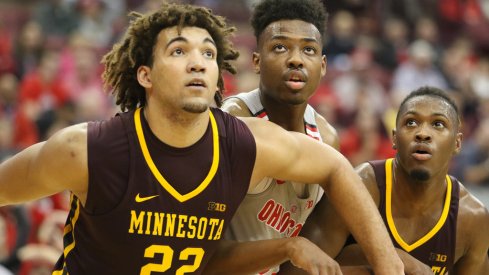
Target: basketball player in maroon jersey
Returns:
[428, 213]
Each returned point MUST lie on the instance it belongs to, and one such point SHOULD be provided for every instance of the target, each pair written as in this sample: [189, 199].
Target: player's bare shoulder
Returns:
[236, 107]
[471, 208]
[473, 219]
[73, 139]
[367, 174]
[328, 132]
[66, 152]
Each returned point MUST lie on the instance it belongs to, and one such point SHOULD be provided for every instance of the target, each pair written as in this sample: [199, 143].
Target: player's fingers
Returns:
[315, 271]
[330, 270]
[327, 271]
[337, 270]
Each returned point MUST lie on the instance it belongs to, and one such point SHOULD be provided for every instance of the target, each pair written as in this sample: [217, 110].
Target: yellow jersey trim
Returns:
[69, 229]
[167, 186]
[390, 219]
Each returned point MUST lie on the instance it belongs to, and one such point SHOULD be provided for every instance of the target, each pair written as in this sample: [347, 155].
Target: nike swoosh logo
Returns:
[142, 199]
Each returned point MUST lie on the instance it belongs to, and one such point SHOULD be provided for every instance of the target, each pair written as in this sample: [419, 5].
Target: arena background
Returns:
[377, 52]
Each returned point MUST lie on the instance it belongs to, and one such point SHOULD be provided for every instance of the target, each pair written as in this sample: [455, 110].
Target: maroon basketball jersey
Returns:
[152, 208]
[437, 248]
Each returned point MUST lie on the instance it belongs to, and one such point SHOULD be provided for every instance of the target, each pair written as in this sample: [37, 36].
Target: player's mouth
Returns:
[422, 152]
[295, 80]
[197, 83]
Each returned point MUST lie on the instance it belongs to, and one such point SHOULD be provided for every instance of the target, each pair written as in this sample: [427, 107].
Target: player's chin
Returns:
[420, 174]
[298, 100]
[196, 106]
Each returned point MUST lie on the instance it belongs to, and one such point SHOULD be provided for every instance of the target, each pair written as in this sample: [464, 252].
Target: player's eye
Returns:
[411, 122]
[279, 48]
[310, 50]
[177, 52]
[209, 54]
[439, 124]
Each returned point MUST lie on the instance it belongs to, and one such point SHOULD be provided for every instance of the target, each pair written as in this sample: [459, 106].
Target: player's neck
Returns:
[418, 195]
[177, 129]
[288, 116]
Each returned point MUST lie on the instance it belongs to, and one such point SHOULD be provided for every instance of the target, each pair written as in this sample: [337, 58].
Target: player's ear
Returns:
[256, 62]
[324, 63]
[394, 139]
[458, 143]
[144, 76]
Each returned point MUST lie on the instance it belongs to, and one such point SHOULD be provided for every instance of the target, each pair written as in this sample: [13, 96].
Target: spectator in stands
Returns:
[358, 87]
[96, 21]
[366, 138]
[341, 40]
[417, 71]
[8, 105]
[7, 62]
[41, 92]
[426, 29]
[81, 75]
[58, 19]
[392, 47]
[28, 48]
[472, 165]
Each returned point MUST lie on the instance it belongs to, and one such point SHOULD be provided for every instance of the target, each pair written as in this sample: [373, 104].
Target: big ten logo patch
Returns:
[435, 257]
[215, 206]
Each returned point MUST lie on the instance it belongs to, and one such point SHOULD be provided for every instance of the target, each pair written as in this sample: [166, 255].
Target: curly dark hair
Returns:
[432, 92]
[137, 49]
[268, 11]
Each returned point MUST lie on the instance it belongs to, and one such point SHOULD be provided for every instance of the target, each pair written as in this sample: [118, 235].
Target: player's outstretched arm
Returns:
[252, 257]
[293, 156]
[325, 229]
[46, 168]
[353, 255]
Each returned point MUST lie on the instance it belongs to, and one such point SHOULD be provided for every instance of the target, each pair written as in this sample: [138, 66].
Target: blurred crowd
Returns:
[377, 51]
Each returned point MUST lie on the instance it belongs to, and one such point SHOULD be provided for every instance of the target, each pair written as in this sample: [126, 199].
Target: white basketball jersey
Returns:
[275, 209]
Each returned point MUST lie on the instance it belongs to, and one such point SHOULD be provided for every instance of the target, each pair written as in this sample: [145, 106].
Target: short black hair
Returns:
[432, 92]
[269, 11]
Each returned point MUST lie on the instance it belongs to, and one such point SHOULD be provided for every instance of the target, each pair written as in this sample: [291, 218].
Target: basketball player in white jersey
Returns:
[290, 63]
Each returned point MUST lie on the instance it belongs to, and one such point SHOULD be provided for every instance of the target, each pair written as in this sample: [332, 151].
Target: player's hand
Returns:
[309, 257]
[413, 266]
[420, 269]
